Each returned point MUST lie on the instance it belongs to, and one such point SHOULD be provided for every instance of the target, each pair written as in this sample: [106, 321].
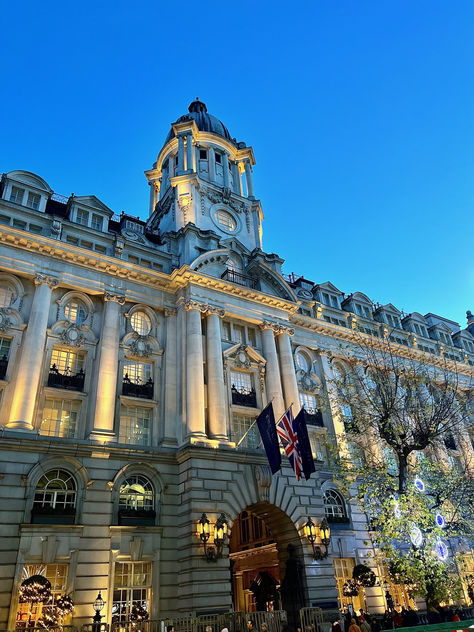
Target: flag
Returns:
[268, 432]
[289, 441]
[299, 426]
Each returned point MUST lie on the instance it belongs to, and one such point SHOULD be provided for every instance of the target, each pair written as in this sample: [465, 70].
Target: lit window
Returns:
[132, 591]
[82, 217]
[241, 382]
[302, 362]
[55, 490]
[59, 418]
[66, 361]
[75, 312]
[141, 323]
[334, 506]
[135, 425]
[137, 372]
[308, 402]
[240, 425]
[6, 296]
[33, 201]
[226, 220]
[31, 615]
[16, 195]
[136, 492]
[97, 222]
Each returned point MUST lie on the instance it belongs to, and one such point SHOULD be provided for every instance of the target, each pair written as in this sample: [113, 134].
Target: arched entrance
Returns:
[266, 561]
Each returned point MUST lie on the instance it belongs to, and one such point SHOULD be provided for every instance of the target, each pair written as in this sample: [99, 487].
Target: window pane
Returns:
[141, 323]
[96, 222]
[5, 344]
[302, 362]
[6, 296]
[82, 217]
[16, 195]
[136, 492]
[55, 489]
[240, 425]
[242, 382]
[135, 425]
[33, 201]
[75, 312]
[138, 372]
[60, 418]
[226, 220]
[308, 402]
[132, 591]
[67, 362]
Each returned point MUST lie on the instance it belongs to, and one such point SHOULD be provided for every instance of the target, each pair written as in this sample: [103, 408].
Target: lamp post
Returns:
[310, 532]
[98, 605]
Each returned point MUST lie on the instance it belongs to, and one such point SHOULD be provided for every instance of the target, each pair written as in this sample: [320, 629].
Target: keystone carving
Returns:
[72, 337]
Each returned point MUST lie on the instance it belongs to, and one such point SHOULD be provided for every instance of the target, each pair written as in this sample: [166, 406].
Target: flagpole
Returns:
[250, 427]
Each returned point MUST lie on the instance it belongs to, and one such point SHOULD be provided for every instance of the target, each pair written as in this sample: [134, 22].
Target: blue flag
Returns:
[306, 454]
[267, 428]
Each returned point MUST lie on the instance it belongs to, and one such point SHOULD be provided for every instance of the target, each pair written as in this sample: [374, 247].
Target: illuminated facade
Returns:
[134, 356]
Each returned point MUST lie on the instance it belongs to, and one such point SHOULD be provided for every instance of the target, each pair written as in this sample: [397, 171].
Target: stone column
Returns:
[225, 168]
[248, 177]
[334, 407]
[171, 376]
[212, 164]
[237, 182]
[32, 354]
[272, 370]
[287, 368]
[189, 152]
[180, 154]
[216, 400]
[195, 421]
[107, 368]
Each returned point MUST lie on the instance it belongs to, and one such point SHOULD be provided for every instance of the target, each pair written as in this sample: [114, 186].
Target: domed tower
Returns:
[202, 195]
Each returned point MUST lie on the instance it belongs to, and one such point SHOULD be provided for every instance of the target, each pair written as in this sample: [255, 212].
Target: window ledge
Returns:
[65, 392]
[139, 401]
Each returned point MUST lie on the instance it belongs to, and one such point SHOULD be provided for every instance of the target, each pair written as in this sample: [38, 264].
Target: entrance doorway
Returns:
[266, 559]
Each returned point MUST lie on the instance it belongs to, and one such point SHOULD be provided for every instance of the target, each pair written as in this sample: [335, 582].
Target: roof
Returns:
[205, 122]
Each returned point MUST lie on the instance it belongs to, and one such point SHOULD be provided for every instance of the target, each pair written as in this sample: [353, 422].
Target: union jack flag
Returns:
[289, 441]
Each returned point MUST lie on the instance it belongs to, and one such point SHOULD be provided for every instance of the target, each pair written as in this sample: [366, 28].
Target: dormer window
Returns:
[203, 154]
[97, 222]
[129, 225]
[82, 217]
[330, 300]
[362, 310]
[393, 321]
[16, 195]
[33, 201]
[444, 337]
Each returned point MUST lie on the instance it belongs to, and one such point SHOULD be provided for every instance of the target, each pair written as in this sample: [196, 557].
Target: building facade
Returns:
[134, 358]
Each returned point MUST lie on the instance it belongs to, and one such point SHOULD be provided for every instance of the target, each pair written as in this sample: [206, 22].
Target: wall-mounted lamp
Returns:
[310, 532]
[220, 532]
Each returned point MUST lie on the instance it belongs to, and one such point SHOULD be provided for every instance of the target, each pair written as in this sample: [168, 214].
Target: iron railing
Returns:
[240, 279]
[244, 397]
[314, 417]
[137, 388]
[67, 380]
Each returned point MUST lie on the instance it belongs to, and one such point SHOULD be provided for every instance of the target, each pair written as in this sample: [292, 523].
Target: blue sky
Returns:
[361, 116]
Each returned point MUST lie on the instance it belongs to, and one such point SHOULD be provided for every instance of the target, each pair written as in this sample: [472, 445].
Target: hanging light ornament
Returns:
[441, 550]
[419, 485]
[65, 605]
[350, 588]
[416, 536]
[35, 589]
[439, 520]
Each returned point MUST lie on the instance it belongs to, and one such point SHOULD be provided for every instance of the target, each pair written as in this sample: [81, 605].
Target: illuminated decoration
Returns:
[309, 529]
[440, 522]
[220, 531]
[416, 536]
[441, 550]
[98, 605]
[350, 588]
[65, 605]
[364, 576]
[419, 485]
[35, 589]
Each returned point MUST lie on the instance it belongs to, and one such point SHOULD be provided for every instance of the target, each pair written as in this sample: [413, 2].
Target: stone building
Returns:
[134, 357]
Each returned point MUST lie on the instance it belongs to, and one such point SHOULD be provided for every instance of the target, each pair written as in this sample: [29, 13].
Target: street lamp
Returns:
[310, 532]
[98, 605]
[220, 532]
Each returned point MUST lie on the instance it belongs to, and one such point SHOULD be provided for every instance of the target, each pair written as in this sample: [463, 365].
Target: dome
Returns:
[205, 122]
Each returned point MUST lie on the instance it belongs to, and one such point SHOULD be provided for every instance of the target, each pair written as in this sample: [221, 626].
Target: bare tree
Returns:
[408, 400]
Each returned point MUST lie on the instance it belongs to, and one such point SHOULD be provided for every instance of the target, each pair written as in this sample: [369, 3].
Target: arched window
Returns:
[302, 362]
[141, 323]
[75, 312]
[136, 501]
[55, 498]
[7, 296]
[334, 506]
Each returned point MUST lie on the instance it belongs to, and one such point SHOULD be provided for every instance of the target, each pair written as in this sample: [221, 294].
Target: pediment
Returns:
[329, 287]
[26, 177]
[93, 202]
[361, 297]
[243, 355]
[419, 318]
[389, 307]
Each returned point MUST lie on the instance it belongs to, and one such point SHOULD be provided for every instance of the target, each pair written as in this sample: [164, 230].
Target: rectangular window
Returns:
[72, 240]
[97, 222]
[135, 425]
[138, 228]
[145, 263]
[240, 425]
[82, 217]
[343, 568]
[101, 249]
[226, 331]
[5, 344]
[308, 402]
[242, 382]
[29, 615]
[67, 362]
[16, 195]
[251, 337]
[33, 201]
[238, 334]
[36, 229]
[218, 158]
[60, 417]
[86, 244]
[334, 302]
[18, 223]
[133, 259]
[132, 590]
[316, 446]
[203, 154]
[138, 372]
[326, 300]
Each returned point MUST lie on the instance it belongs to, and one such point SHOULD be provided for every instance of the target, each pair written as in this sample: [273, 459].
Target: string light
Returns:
[35, 589]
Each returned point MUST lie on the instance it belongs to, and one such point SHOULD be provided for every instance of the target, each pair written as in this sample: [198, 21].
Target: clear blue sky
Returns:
[361, 115]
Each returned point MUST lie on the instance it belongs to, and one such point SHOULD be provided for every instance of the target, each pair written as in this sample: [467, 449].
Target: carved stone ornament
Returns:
[72, 336]
[170, 311]
[277, 328]
[225, 197]
[204, 308]
[56, 228]
[307, 380]
[40, 279]
[305, 294]
[140, 346]
[116, 298]
[184, 203]
[5, 322]
[263, 479]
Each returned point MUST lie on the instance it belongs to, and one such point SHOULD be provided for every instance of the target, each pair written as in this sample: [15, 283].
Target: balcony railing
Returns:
[66, 380]
[240, 279]
[244, 397]
[3, 366]
[137, 388]
[314, 417]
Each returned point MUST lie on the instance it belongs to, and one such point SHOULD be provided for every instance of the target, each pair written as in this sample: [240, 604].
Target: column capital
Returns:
[204, 308]
[218, 311]
[114, 298]
[170, 311]
[277, 328]
[42, 279]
